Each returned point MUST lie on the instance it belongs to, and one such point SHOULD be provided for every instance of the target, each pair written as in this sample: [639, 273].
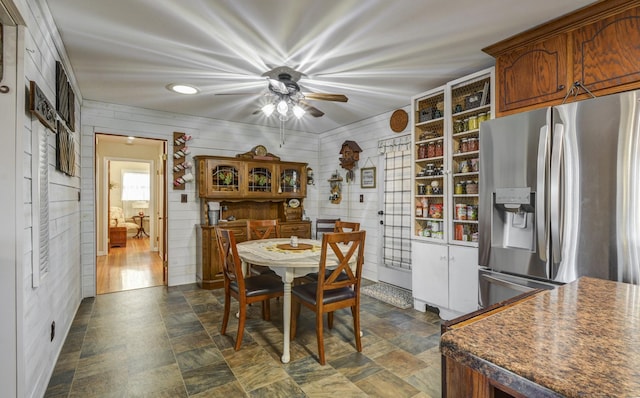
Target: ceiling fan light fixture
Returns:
[298, 111]
[282, 107]
[268, 109]
[182, 89]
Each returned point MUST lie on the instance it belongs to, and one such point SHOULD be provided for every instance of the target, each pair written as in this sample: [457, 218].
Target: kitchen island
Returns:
[579, 340]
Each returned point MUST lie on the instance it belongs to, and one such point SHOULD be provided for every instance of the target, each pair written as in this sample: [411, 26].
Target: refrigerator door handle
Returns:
[541, 192]
[555, 191]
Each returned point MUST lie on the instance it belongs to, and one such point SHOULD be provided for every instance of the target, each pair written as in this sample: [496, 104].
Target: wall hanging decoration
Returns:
[65, 150]
[310, 180]
[65, 98]
[368, 177]
[398, 121]
[335, 183]
[181, 165]
[40, 106]
[350, 154]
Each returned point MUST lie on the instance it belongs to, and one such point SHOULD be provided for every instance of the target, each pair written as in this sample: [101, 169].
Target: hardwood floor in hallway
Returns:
[130, 267]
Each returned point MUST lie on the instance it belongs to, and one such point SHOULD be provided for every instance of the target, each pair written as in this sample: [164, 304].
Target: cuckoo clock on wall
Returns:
[350, 154]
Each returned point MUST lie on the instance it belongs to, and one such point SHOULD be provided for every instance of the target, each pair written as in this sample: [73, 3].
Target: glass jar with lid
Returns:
[472, 144]
[473, 122]
[471, 187]
[458, 126]
[422, 151]
[464, 145]
[431, 150]
[481, 117]
[439, 148]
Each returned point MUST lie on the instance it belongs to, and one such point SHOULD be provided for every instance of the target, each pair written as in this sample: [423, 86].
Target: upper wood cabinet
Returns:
[234, 178]
[536, 73]
[220, 177]
[261, 179]
[596, 47]
[606, 53]
[292, 178]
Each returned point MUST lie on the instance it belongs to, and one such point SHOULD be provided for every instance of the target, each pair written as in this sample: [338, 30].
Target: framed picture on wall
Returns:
[368, 177]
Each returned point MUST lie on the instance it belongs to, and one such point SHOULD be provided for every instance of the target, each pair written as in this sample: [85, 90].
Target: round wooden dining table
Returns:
[287, 262]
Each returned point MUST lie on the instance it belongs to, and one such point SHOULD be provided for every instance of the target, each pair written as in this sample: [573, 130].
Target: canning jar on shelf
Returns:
[473, 144]
[431, 150]
[473, 122]
[439, 148]
[422, 151]
[464, 145]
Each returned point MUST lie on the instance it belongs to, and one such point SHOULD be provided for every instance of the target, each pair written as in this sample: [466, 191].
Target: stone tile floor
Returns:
[166, 342]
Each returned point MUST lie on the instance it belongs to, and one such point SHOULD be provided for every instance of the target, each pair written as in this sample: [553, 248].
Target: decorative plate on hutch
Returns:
[294, 203]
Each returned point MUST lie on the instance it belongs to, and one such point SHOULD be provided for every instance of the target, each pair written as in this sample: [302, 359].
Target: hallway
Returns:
[130, 267]
[165, 342]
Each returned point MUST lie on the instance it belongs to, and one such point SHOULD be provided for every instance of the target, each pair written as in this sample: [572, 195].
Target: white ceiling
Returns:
[378, 53]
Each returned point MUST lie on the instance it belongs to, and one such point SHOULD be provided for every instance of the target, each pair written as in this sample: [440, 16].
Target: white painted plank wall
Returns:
[210, 137]
[59, 294]
[366, 133]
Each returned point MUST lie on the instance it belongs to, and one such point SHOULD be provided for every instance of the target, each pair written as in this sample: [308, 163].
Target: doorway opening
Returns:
[130, 213]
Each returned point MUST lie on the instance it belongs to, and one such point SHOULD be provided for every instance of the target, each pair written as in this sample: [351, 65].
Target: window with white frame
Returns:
[135, 186]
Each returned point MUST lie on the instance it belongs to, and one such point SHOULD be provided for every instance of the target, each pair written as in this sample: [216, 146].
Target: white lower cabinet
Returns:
[444, 276]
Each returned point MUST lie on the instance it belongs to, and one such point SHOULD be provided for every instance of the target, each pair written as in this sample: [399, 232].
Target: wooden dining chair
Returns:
[333, 292]
[339, 226]
[325, 225]
[346, 226]
[261, 229]
[260, 288]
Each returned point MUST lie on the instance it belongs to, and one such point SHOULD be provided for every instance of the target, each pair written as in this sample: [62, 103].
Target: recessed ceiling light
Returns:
[182, 88]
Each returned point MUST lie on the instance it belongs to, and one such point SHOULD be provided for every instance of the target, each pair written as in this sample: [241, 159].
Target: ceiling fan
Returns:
[287, 96]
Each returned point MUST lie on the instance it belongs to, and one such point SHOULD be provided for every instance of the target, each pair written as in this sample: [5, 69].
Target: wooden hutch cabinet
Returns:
[252, 185]
[594, 48]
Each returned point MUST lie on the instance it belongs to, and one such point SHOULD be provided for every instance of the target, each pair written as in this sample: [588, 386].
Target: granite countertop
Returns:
[579, 340]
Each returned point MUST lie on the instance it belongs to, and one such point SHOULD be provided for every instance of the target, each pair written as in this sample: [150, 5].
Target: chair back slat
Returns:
[346, 226]
[262, 229]
[335, 243]
[324, 225]
[228, 252]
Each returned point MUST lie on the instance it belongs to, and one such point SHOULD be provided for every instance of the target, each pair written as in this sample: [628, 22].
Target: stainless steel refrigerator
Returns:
[560, 196]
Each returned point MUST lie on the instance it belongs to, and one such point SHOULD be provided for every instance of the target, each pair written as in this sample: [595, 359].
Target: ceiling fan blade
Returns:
[278, 86]
[326, 97]
[312, 110]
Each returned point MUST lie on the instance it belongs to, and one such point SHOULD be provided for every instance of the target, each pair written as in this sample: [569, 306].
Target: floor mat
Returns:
[390, 294]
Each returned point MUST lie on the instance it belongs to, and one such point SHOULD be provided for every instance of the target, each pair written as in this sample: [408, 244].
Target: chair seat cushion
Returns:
[259, 285]
[314, 275]
[307, 292]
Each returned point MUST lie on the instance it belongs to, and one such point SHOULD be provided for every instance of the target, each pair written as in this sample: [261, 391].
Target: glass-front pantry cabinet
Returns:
[446, 125]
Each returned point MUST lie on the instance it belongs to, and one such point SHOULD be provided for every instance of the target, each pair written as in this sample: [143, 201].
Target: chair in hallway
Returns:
[325, 225]
[261, 229]
[259, 288]
[333, 292]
